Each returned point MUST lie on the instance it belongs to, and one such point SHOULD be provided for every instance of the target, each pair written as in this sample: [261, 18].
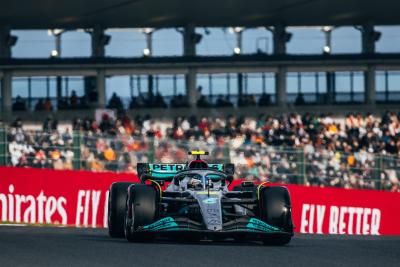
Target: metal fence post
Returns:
[380, 170]
[3, 146]
[302, 163]
[77, 150]
[150, 154]
[227, 152]
[376, 171]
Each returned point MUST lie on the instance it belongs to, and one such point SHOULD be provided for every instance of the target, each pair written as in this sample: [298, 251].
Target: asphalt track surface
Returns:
[42, 246]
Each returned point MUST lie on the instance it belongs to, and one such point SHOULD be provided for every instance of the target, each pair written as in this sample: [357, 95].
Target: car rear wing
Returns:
[166, 171]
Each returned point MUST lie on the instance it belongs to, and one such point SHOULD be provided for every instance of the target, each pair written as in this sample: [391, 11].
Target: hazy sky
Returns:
[130, 43]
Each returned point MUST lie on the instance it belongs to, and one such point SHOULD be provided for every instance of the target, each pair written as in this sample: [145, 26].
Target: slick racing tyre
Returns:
[116, 208]
[141, 210]
[275, 210]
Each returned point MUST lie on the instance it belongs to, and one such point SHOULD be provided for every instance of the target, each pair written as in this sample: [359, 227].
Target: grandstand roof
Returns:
[158, 13]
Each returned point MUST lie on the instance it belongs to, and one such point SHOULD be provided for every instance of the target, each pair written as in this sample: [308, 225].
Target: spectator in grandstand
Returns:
[246, 101]
[241, 102]
[18, 148]
[19, 104]
[106, 125]
[110, 157]
[73, 99]
[251, 100]
[62, 103]
[223, 101]
[179, 101]
[92, 95]
[115, 102]
[300, 99]
[265, 100]
[50, 124]
[47, 105]
[83, 102]
[39, 105]
[198, 93]
[203, 102]
[17, 123]
[158, 101]
[137, 102]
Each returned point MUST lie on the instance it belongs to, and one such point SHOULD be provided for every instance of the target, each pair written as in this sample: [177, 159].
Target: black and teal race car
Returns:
[192, 202]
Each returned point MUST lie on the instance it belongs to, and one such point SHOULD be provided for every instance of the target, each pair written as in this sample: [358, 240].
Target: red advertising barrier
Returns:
[79, 198]
[56, 197]
[345, 211]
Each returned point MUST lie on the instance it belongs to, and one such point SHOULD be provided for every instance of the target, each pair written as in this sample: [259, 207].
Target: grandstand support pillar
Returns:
[148, 52]
[280, 37]
[59, 89]
[280, 89]
[7, 41]
[6, 94]
[99, 41]
[189, 40]
[240, 84]
[101, 88]
[369, 37]
[330, 88]
[370, 93]
[189, 49]
[150, 82]
[191, 88]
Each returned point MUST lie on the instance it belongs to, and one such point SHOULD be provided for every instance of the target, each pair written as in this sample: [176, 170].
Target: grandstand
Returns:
[355, 152]
[327, 136]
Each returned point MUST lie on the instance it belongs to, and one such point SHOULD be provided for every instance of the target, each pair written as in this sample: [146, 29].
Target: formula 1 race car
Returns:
[191, 202]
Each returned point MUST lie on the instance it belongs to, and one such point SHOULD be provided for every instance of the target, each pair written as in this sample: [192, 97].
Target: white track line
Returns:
[13, 224]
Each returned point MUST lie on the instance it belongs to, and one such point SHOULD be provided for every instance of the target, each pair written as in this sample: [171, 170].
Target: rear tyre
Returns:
[141, 210]
[116, 209]
[275, 209]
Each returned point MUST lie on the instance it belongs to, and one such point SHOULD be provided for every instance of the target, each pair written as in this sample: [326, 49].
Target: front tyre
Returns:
[141, 210]
[116, 209]
[275, 209]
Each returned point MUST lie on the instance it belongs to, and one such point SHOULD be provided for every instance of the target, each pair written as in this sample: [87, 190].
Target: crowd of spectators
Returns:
[149, 101]
[153, 101]
[181, 101]
[46, 104]
[74, 102]
[354, 151]
[19, 104]
[47, 148]
[245, 100]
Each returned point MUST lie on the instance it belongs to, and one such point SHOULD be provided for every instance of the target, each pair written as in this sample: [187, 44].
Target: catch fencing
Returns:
[254, 160]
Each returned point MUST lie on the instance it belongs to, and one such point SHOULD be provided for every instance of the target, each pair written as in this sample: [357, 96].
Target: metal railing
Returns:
[253, 161]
